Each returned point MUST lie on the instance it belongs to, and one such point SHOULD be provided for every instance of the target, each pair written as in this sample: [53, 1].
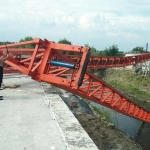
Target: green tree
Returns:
[7, 42]
[101, 53]
[93, 50]
[64, 41]
[112, 50]
[138, 49]
[28, 38]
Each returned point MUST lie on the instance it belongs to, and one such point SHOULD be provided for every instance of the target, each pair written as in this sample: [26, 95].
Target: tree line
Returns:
[108, 51]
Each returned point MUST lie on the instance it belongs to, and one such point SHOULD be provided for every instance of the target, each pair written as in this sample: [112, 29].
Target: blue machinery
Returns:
[62, 64]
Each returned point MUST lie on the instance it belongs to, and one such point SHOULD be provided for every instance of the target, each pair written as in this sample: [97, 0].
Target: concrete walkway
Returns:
[34, 117]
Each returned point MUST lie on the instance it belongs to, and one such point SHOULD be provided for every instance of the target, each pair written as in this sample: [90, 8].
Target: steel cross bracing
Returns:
[98, 62]
[108, 62]
[46, 62]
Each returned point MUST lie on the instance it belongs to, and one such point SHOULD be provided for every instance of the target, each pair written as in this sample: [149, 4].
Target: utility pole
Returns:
[146, 47]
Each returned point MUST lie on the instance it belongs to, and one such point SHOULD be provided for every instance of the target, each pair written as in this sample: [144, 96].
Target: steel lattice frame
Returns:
[36, 63]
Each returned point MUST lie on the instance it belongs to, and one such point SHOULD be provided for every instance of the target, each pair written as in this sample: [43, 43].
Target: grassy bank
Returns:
[135, 87]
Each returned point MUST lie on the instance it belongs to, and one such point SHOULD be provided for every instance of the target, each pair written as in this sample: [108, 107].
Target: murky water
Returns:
[136, 129]
[143, 137]
[122, 122]
[132, 127]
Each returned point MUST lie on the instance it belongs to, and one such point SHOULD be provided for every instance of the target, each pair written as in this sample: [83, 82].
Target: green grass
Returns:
[102, 113]
[135, 87]
[135, 94]
[129, 87]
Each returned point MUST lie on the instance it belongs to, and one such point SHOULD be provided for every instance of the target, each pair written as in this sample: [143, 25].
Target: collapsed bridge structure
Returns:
[47, 62]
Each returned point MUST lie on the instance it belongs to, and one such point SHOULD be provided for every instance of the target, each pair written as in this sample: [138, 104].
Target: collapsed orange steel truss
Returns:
[94, 61]
[37, 63]
[108, 62]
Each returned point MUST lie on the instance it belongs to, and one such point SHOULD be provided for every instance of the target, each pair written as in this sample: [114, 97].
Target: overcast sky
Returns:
[99, 23]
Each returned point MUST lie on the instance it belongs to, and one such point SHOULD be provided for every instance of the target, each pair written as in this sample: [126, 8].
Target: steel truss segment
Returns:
[108, 62]
[36, 64]
[136, 111]
[123, 105]
[112, 98]
[94, 62]
[23, 60]
[105, 95]
[35, 41]
[70, 48]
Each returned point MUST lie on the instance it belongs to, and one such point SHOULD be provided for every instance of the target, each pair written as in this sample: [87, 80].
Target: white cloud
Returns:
[88, 21]
[81, 21]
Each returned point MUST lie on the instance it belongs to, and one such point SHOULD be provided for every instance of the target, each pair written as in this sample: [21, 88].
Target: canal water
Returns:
[122, 122]
[134, 128]
[143, 137]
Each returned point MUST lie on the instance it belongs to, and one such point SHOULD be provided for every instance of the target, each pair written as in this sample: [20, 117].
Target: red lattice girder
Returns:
[36, 63]
[108, 62]
[24, 60]
[94, 61]
[100, 92]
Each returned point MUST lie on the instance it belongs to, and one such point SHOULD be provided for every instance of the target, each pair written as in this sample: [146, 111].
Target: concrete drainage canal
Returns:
[136, 129]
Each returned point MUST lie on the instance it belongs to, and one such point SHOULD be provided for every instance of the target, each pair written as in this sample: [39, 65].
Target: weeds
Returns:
[102, 113]
[133, 86]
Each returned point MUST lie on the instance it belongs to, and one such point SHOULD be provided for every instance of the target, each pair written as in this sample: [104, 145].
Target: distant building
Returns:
[140, 68]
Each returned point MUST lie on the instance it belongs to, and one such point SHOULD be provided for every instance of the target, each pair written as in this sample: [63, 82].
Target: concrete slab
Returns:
[34, 117]
[74, 134]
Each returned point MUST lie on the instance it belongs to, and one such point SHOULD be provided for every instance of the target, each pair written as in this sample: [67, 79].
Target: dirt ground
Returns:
[104, 134]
